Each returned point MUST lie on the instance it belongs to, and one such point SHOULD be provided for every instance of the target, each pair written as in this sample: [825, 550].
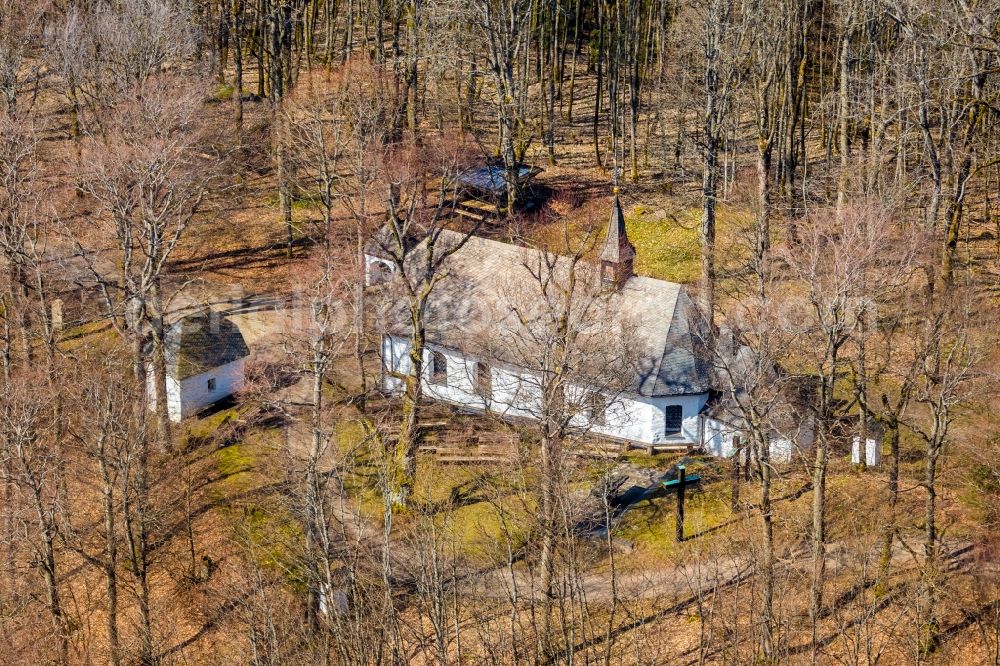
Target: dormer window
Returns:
[379, 271]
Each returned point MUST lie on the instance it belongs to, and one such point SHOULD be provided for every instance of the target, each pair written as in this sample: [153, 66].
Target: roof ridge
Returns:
[516, 246]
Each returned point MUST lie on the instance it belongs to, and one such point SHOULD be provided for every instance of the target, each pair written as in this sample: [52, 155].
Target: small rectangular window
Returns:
[439, 369]
[673, 418]
[211, 384]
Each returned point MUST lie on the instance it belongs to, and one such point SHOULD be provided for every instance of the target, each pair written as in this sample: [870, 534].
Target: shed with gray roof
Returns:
[205, 354]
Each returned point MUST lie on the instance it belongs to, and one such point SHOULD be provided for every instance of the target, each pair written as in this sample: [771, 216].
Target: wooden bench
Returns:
[497, 450]
[472, 460]
[477, 210]
[465, 455]
[597, 451]
[478, 217]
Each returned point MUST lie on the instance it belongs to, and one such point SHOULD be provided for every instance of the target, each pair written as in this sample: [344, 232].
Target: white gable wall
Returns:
[195, 394]
[192, 394]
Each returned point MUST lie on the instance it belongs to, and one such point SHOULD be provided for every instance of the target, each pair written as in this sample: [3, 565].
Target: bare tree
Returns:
[759, 399]
[832, 259]
[409, 171]
[30, 460]
[948, 358]
[20, 21]
[555, 321]
[340, 132]
[722, 69]
[106, 52]
[148, 180]
[108, 435]
[504, 25]
[18, 233]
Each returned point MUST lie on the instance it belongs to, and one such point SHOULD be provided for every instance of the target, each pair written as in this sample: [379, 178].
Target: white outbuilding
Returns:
[205, 353]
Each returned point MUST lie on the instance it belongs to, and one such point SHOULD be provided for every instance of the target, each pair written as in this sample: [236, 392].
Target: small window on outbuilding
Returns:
[439, 369]
[211, 384]
[673, 417]
[484, 380]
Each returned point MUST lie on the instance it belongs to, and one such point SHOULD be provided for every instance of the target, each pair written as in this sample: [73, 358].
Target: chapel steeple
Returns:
[618, 254]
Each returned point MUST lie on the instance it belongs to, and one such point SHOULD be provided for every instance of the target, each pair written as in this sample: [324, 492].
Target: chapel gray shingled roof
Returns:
[202, 342]
[469, 301]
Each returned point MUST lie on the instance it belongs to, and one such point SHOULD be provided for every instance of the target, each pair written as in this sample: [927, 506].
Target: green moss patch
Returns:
[260, 521]
[234, 460]
[651, 526]
[201, 430]
[485, 530]
[667, 249]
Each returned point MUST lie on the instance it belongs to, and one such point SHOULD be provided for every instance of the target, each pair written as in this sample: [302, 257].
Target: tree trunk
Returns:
[597, 94]
[413, 8]
[709, 186]
[891, 437]
[159, 363]
[928, 618]
[710, 160]
[818, 541]
[546, 563]
[767, 565]
[111, 556]
[843, 100]
[734, 475]
[135, 512]
[237, 9]
[284, 194]
[406, 446]
[47, 558]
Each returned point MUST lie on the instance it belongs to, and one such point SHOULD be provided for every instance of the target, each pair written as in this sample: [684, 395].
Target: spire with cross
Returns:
[618, 254]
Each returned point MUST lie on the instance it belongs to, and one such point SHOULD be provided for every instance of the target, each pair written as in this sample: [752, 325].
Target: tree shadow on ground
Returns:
[638, 622]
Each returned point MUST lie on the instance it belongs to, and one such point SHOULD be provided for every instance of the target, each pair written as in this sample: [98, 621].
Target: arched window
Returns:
[439, 369]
